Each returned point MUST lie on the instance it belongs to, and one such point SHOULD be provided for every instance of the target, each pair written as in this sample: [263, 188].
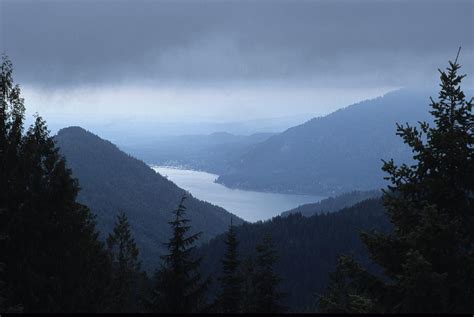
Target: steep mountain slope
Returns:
[337, 153]
[308, 247]
[113, 181]
[332, 204]
[211, 153]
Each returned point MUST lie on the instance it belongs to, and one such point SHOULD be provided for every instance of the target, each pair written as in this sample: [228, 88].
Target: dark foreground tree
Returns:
[179, 288]
[265, 280]
[124, 290]
[229, 299]
[53, 261]
[428, 259]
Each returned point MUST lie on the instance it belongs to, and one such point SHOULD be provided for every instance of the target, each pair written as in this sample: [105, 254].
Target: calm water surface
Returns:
[249, 205]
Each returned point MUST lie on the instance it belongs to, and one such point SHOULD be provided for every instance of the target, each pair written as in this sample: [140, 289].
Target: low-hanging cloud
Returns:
[226, 60]
[399, 42]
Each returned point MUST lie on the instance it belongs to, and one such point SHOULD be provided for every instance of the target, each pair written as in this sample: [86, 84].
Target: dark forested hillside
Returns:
[308, 247]
[112, 181]
[332, 204]
[337, 153]
[211, 153]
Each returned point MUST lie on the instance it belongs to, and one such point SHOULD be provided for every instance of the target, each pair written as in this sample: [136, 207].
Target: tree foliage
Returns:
[428, 258]
[52, 259]
[229, 300]
[307, 248]
[266, 281]
[179, 288]
[124, 290]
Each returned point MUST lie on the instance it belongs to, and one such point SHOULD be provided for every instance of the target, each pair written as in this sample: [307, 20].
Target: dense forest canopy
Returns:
[332, 154]
[307, 248]
[335, 203]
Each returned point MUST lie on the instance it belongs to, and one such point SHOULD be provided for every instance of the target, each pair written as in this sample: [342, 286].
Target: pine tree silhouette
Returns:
[229, 300]
[428, 258]
[179, 288]
[266, 281]
[125, 267]
[52, 258]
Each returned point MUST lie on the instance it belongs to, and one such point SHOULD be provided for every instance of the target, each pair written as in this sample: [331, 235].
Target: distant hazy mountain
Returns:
[333, 204]
[337, 153]
[211, 153]
[113, 181]
[307, 247]
[130, 130]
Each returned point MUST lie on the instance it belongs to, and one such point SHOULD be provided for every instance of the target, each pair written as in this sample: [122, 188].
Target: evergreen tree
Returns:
[266, 281]
[231, 280]
[125, 267]
[429, 257]
[179, 287]
[53, 260]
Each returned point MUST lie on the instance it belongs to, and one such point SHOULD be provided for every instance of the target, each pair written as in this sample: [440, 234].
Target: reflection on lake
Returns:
[249, 205]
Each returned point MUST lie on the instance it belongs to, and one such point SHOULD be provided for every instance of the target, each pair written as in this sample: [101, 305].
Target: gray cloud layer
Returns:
[372, 43]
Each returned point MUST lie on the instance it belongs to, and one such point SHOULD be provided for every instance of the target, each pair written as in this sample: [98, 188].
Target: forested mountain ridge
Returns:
[307, 247]
[112, 181]
[212, 153]
[337, 153]
[333, 204]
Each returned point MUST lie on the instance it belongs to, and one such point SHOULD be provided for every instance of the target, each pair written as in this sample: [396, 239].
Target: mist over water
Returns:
[251, 206]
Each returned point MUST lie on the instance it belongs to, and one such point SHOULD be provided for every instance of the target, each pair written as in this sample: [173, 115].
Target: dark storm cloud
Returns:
[108, 42]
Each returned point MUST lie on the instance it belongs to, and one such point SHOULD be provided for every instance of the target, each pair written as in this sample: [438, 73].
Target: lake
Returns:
[249, 205]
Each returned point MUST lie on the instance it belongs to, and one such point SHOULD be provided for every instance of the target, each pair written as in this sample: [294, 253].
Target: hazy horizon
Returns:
[229, 61]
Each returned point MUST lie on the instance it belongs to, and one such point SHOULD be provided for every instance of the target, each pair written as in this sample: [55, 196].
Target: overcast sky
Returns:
[224, 60]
